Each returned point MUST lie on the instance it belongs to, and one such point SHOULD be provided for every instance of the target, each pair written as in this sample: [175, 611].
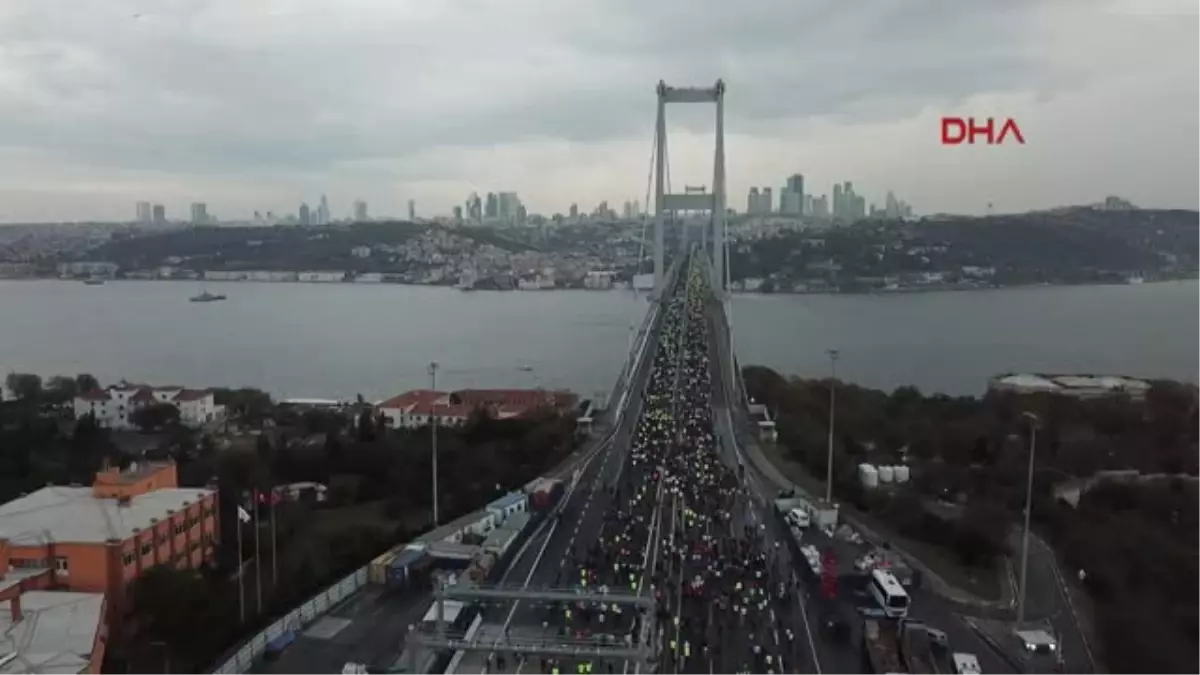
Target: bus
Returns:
[888, 592]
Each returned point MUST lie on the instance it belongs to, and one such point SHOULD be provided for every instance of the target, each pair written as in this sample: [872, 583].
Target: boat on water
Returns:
[93, 282]
[207, 297]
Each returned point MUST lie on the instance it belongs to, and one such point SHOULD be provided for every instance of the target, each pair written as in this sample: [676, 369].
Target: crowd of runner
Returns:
[680, 529]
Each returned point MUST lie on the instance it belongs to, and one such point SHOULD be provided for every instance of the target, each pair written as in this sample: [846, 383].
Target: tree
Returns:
[247, 403]
[86, 382]
[25, 386]
[61, 389]
[154, 416]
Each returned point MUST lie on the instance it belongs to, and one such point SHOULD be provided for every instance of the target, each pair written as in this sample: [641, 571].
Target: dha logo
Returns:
[955, 130]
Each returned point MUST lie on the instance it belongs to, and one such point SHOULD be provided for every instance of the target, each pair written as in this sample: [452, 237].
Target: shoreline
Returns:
[945, 288]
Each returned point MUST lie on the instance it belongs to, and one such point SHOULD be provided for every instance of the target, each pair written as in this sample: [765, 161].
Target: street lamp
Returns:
[833, 356]
[1034, 422]
[433, 425]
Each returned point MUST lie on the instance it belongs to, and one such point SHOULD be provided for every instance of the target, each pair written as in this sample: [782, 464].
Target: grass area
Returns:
[983, 583]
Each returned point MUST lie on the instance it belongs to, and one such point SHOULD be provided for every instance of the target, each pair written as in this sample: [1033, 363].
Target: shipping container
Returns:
[500, 540]
[377, 572]
[400, 571]
[481, 567]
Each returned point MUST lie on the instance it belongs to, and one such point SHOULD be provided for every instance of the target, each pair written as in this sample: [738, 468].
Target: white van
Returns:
[798, 518]
[966, 664]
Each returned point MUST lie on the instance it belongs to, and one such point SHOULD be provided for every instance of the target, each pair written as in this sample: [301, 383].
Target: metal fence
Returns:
[296, 620]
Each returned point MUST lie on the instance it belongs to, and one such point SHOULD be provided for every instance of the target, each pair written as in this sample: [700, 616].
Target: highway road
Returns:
[833, 656]
[661, 514]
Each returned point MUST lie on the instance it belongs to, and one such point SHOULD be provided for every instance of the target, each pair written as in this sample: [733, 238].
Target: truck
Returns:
[824, 516]
[900, 646]
[544, 494]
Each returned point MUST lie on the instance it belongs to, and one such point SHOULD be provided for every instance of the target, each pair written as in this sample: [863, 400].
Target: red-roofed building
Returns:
[113, 407]
[418, 407]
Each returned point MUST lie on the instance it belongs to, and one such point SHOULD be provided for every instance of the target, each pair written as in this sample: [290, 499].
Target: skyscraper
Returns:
[793, 205]
[507, 205]
[474, 207]
[767, 204]
[412, 210]
[491, 208]
[838, 208]
[160, 215]
[199, 213]
[752, 201]
[143, 213]
[305, 215]
[574, 211]
[323, 212]
[360, 210]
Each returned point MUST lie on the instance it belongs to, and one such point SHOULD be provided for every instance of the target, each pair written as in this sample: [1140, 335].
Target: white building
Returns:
[114, 407]
[321, 277]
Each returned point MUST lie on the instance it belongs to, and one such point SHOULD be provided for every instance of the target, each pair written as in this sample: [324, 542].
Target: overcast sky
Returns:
[260, 104]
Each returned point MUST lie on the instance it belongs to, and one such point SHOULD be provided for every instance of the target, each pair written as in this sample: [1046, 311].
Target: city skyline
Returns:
[170, 107]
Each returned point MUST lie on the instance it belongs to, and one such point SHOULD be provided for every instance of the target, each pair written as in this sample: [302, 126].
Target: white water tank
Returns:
[868, 476]
[886, 474]
[902, 474]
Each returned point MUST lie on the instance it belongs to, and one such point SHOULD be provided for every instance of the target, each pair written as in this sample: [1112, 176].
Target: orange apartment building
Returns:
[65, 545]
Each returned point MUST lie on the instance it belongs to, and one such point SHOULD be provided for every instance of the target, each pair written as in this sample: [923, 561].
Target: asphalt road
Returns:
[832, 656]
[736, 633]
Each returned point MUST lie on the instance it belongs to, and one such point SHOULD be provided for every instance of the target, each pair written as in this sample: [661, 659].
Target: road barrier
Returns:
[295, 621]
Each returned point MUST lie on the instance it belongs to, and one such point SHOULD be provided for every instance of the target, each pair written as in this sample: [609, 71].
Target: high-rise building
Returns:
[160, 214]
[768, 201]
[412, 209]
[752, 201]
[360, 210]
[820, 207]
[199, 213]
[521, 213]
[837, 201]
[790, 205]
[323, 212]
[458, 212]
[574, 211]
[474, 207]
[507, 205]
[491, 208]
[144, 214]
[305, 216]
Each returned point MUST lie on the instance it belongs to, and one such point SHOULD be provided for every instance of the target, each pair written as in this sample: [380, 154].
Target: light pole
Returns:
[1033, 425]
[833, 356]
[433, 425]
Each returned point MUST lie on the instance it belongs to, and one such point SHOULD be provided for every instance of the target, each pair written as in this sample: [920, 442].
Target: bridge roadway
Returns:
[551, 558]
[543, 559]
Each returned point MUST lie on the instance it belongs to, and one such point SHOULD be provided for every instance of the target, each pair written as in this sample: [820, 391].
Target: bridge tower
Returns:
[690, 200]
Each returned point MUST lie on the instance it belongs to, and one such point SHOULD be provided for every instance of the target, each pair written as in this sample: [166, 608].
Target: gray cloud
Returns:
[291, 90]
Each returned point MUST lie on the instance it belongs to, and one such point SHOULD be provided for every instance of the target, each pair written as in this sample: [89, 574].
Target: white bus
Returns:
[888, 592]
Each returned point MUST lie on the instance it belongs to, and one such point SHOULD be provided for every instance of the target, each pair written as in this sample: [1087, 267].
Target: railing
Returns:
[630, 368]
[296, 620]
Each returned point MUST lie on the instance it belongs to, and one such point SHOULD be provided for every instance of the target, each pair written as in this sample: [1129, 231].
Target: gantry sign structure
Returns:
[498, 639]
[713, 202]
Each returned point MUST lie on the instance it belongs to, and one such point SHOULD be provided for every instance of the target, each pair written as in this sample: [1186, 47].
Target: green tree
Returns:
[25, 386]
[86, 382]
[155, 416]
[61, 389]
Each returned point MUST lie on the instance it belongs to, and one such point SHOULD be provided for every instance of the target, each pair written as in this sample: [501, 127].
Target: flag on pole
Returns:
[243, 515]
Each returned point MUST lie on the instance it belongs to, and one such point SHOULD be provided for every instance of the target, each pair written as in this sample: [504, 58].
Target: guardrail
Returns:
[296, 620]
[634, 359]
